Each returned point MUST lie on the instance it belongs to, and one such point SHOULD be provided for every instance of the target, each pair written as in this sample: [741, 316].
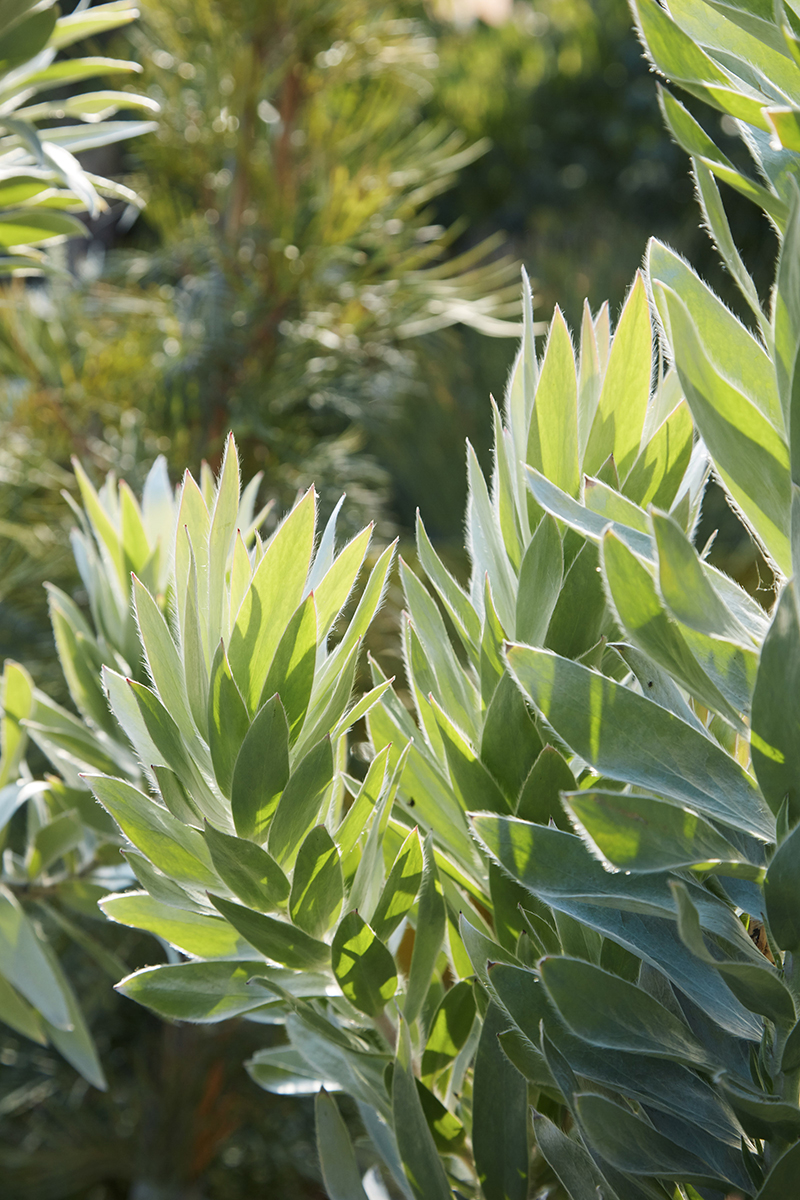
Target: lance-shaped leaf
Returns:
[332, 590]
[261, 771]
[220, 537]
[585, 522]
[782, 893]
[247, 869]
[650, 627]
[336, 1154]
[775, 739]
[510, 742]
[782, 1177]
[317, 886]
[199, 934]
[291, 674]
[228, 720]
[570, 1160]
[553, 436]
[639, 833]
[429, 934]
[176, 849]
[751, 457]
[24, 963]
[540, 577]
[616, 1015]
[729, 345]
[540, 796]
[633, 1146]
[499, 1117]
[300, 804]
[618, 421]
[626, 737]
[163, 660]
[278, 940]
[206, 992]
[685, 585]
[449, 1028]
[363, 967]
[663, 461]
[421, 1161]
[401, 887]
[273, 596]
[472, 783]
[756, 984]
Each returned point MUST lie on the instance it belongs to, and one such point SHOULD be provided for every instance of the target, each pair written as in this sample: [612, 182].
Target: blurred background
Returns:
[339, 197]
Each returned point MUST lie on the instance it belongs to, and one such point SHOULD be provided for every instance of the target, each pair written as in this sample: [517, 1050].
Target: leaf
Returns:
[75, 1043]
[17, 705]
[686, 587]
[587, 523]
[540, 797]
[206, 992]
[401, 887]
[53, 840]
[163, 661]
[540, 578]
[783, 1176]
[626, 737]
[731, 348]
[363, 967]
[418, 1152]
[261, 771]
[30, 227]
[756, 984]
[429, 934]
[639, 833]
[652, 630]
[454, 599]
[317, 886]
[166, 738]
[176, 849]
[553, 438]
[299, 806]
[635, 1147]
[291, 674]
[618, 422]
[220, 538]
[782, 893]
[194, 933]
[581, 613]
[484, 543]
[616, 1015]
[499, 1121]
[251, 873]
[775, 738]
[570, 1161]
[331, 592]
[472, 783]
[663, 461]
[19, 1015]
[276, 939]
[274, 594]
[510, 742]
[283, 1071]
[631, 910]
[228, 720]
[751, 457]
[337, 1158]
[449, 1028]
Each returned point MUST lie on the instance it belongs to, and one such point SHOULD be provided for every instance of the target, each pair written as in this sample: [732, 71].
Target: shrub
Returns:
[574, 880]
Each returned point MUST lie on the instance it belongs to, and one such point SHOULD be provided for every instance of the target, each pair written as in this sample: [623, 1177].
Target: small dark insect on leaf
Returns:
[411, 802]
[650, 683]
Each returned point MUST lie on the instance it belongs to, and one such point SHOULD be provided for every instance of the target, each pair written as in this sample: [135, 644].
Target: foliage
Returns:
[573, 881]
[43, 183]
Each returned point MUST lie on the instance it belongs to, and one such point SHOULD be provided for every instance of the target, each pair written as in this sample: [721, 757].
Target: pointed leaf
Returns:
[261, 772]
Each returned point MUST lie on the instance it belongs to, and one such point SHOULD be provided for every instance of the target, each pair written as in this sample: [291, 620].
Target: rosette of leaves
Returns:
[42, 183]
[678, 1057]
[61, 851]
